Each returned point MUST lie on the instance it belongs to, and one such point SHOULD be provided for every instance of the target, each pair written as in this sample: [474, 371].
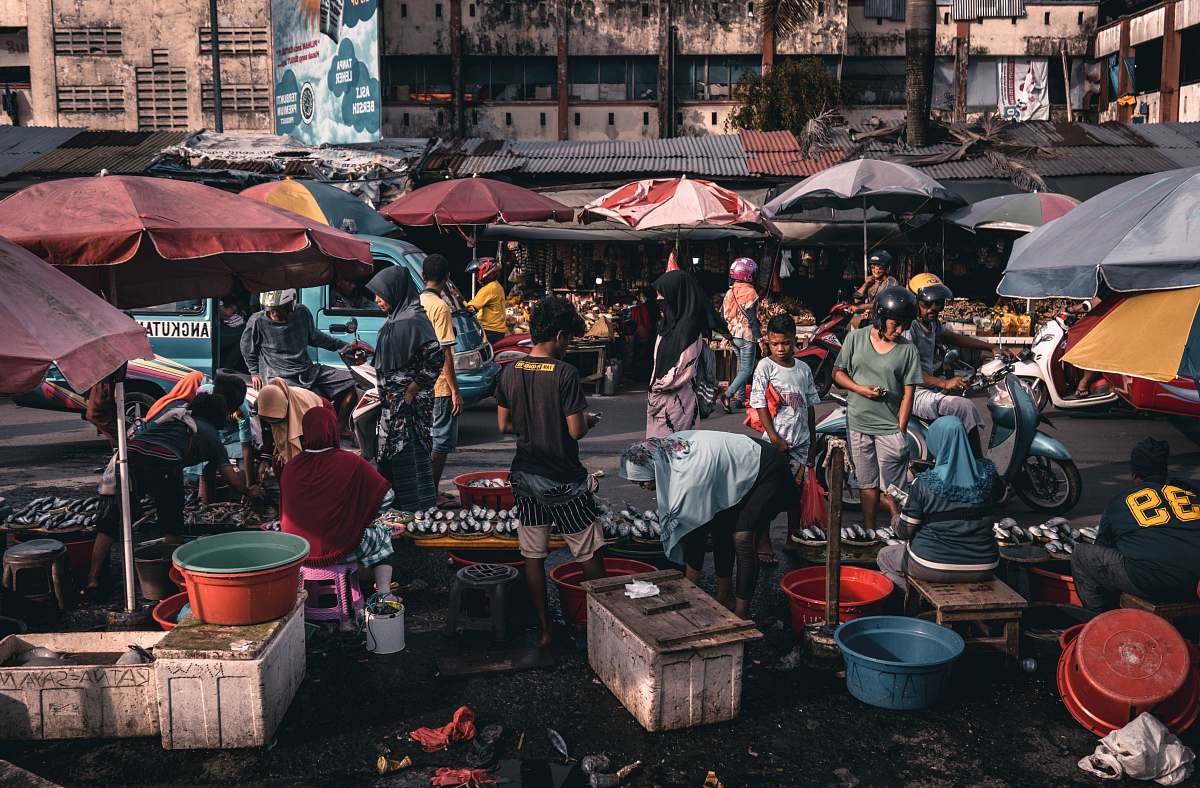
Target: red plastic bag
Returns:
[812, 502]
[462, 777]
[460, 728]
[773, 401]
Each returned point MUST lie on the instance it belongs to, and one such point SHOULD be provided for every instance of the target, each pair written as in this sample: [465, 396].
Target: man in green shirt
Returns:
[880, 370]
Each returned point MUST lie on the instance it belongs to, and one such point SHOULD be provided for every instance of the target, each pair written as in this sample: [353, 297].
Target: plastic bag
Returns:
[812, 502]
[1145, 750]
[773, 402]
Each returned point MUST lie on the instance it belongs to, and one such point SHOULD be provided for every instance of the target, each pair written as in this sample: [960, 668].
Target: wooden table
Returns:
[977, 605]
[448, 542]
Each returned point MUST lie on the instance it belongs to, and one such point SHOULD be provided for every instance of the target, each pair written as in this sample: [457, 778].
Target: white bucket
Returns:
[385, 634]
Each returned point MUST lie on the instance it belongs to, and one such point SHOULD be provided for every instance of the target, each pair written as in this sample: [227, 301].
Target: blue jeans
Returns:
[747, 353]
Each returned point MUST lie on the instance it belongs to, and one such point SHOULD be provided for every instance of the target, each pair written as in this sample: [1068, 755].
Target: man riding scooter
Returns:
[935, 397]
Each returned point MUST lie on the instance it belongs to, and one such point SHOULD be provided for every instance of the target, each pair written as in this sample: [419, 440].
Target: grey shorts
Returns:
[320, 379]
[879, 460]
[445, 426]
[929, 405]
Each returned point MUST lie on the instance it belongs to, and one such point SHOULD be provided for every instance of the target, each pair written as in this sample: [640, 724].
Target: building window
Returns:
[510, 78]
[713, 77]
[878, 22]
[87, 41]
[423, 78]
[506, 11]
[645, 118]
[713, 119]
[1080, 18]
[471, 10]
[541, 118]
[978, 10]
[1045, 18]
[946, 18]
[1147, 66]
[440, 117]
[403, 10]
[613, 78]
[678, 118]
[507, 118]
[437, 10]
[162, 94]
[248, 97]
[820, 9]
[237, 41]
[576, 118]
[716, 11]
[404, 120]
[749, 9]
[645, 10]
[92, 99]
[1189, 64]
[612, 119]
[474, 117]
[874, 81]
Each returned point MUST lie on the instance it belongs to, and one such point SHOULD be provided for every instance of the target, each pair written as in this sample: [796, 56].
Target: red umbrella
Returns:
[473, 201]
[144, 241]
[677, 202]
[47, 318]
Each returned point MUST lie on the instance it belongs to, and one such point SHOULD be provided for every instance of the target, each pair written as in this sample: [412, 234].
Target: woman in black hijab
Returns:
[408, 360]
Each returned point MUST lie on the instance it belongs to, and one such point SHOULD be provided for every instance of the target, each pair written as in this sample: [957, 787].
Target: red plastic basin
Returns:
[167, 610]
[568, 577]
[487, 497]
[240, 598]
[1125, 662]
[79, 548]
[863, 593]
[1053, 588]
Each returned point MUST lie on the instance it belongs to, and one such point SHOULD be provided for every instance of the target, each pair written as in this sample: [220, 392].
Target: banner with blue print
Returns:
[327, 70]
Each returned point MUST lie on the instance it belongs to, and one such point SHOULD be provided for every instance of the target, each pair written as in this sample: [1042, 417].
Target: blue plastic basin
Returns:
[898, 663]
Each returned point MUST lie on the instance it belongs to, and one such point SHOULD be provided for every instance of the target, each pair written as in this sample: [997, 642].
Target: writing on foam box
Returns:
[73, 678]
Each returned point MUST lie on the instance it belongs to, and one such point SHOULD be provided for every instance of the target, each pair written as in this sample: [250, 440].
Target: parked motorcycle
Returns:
[822, 350]
[1034, 465]
[1049, 382]
[512, 347]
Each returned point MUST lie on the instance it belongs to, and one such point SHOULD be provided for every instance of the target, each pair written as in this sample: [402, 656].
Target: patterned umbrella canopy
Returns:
[473, 201]
[676, 202]
[1018, 213]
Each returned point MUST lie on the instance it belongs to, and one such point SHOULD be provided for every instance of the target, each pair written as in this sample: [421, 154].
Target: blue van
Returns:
[188, 333]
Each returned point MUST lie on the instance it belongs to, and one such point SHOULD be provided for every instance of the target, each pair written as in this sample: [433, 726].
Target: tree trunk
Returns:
[921, 16]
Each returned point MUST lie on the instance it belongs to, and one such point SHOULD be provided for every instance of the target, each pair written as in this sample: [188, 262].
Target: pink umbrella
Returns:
[144, 241]
[677, 202]
[48, 318]
[473, 201]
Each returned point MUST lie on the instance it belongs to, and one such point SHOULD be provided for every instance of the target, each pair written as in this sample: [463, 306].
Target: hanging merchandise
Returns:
[785, 264]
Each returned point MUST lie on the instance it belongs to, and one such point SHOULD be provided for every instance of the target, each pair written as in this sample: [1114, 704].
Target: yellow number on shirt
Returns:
[1146, 507]
[1182, 503]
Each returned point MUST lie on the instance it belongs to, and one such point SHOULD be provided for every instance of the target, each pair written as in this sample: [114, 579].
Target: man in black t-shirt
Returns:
[540, 400]
[1149, 539]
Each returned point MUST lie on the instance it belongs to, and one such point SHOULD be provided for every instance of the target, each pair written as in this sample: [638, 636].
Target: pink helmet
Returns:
[743, 270]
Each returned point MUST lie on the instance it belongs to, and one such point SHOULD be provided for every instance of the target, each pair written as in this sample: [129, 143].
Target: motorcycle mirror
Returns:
[950, 360]
[352, 326]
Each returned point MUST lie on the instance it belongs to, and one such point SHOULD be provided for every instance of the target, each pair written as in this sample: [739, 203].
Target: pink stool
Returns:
[336, 582]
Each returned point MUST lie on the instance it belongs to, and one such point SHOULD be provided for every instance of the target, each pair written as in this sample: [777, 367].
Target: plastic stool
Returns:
[490, 580]
[47, 556]
[338, 581]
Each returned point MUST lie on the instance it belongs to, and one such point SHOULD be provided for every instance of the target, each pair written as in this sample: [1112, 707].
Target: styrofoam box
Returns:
[78, 701]
[228, 687]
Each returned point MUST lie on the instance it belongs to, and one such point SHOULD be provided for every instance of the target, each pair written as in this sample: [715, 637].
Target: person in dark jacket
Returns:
[1149, 539]
[946, 518]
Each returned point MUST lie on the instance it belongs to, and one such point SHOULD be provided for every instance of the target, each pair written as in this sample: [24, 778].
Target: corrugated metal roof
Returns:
[884, 9]
[762, 141]
[1164, 135]
[119, 152]
[966, 10]
[20, 145]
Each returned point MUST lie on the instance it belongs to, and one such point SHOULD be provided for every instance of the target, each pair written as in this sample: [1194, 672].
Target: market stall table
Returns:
[457, 543]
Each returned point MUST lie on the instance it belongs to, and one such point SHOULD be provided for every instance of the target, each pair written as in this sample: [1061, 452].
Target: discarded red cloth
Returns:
[460, 728]
[463, 777]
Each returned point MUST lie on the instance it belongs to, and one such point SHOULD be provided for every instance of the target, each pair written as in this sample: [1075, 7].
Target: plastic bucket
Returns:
[487, 497]
[638, 551]
[152, 560]
[898, 663]
[1052, 588]
[385, 633]
[166, 611]
[467, 558]
[863, 593]
[572, 596]
[240, 598]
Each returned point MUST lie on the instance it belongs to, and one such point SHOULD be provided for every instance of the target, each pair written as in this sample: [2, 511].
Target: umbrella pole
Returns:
[866, 269]
[126, 515]
[474, 255]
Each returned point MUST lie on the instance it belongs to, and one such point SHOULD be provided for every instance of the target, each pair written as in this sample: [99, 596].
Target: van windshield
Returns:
[191, 306]
[351, 297]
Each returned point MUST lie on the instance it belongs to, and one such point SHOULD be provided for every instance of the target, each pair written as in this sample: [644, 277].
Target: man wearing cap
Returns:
[275, 344]
[1149, 539]
[934, 397]
[877, 281]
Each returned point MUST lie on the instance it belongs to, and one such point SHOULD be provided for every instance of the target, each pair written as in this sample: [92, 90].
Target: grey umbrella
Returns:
[1141, 235]
[866, 183]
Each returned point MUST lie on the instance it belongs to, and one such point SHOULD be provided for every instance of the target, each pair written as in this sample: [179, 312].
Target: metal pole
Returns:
[126, 511]
[218, 115]
[866, 268]
[833, 537]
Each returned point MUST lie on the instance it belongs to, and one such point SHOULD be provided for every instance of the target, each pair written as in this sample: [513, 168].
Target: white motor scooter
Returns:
[1041, 370]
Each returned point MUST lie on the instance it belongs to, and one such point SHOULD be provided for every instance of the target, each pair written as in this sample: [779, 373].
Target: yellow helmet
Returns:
[929, 288]
[921, 281]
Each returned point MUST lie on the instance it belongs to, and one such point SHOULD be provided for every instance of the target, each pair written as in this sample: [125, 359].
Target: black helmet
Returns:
[895, 303]
[881, 258]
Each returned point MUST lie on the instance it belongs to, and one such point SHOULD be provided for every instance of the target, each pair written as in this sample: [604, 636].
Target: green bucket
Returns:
[241, 551]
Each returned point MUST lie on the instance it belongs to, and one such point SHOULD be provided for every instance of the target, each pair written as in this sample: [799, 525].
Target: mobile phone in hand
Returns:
[899, 495]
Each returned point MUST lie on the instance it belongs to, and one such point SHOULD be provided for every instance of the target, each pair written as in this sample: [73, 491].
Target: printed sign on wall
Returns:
[1024, 89]
[327, 70]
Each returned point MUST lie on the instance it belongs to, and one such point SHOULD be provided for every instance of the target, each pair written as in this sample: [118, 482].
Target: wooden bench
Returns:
[1171, 611]
[981, 607]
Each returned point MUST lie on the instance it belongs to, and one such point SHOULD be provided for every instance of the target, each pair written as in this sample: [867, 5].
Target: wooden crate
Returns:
[674, 660]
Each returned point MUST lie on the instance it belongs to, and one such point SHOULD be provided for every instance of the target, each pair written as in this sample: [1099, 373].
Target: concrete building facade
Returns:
[1150, 64]
[529, 69]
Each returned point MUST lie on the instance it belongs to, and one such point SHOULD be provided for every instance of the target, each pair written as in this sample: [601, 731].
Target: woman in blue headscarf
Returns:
[946, 518]
[718, 486]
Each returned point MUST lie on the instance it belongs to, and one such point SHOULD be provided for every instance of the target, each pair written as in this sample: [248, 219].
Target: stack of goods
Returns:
[1056, 535]
[51, 513]
[963, 310]
[1043, 309]
[852, 533]
[629, 522]
[237, 514]
[516, 317]
[769, 307]
[464, 523]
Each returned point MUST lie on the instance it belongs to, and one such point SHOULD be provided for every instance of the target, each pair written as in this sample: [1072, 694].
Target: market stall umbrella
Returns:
[1018, 213]
[146, 241]
[1140, 235]
[677, 202]
[473, 201]
[1153, 335]
[48, 318]
[322, 202]
[866, 183]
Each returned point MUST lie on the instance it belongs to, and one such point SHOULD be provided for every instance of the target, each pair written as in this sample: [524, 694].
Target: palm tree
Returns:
[921, 17]
[781, 18]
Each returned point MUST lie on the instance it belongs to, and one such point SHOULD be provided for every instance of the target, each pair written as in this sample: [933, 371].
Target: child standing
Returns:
[791, 429]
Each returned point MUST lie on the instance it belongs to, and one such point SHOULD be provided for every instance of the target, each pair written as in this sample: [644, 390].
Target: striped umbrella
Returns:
[1154, 335]
[323, 203]
[1018, 213]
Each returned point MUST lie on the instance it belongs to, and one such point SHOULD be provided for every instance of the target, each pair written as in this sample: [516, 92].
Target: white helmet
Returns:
[277, 298]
